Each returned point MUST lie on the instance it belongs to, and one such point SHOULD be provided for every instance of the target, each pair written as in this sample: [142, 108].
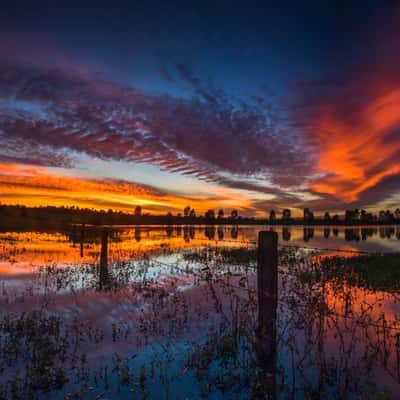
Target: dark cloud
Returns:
[384, 190]
[66, 110]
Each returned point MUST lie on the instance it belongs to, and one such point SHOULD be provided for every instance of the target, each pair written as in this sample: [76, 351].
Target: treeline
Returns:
[27, 218]
[37, 218]
[354, 217]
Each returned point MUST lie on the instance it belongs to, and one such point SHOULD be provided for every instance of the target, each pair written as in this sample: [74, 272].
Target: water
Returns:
[22, 250]
[172, 313]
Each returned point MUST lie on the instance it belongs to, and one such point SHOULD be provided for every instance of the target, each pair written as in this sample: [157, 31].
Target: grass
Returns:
[380, 272]
[375, 272]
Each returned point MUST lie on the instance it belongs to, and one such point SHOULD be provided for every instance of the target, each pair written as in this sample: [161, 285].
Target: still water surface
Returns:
[20, 251]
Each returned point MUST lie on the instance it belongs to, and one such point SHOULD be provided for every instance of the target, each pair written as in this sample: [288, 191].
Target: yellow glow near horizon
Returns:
[35, 186]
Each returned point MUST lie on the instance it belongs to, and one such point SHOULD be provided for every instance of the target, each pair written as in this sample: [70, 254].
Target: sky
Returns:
[236, 105]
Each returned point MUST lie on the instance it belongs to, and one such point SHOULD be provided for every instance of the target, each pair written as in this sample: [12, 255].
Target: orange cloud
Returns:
[357, 153]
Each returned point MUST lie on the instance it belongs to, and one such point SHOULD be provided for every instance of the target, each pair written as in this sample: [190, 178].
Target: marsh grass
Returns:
[372, 272]
[145, 337]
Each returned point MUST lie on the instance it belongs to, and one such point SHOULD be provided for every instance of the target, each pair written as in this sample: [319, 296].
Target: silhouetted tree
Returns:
[234, 214]
[272, 217]
[348, 217]
[389, 216]
[286, 215]
[363, 216]
[210, 215]
[170, 218]
[138, 211]
[308, 216]
[220, 213]
[327, 218]
[186, 211]
[382, 216]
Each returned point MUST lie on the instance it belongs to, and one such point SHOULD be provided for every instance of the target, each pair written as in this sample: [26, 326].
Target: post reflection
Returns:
[138, 234]
[186, 234]
[220, 233]
[286, 235]
[82, 239]
[104, 277]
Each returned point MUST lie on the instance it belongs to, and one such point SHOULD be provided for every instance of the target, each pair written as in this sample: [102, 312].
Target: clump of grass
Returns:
[374, 272]
[379, 271]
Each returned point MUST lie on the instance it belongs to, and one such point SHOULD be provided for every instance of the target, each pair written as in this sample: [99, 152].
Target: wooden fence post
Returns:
[267, 280]
[267, 283]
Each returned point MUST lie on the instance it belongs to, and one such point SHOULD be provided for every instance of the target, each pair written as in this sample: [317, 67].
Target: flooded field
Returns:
[162, 312]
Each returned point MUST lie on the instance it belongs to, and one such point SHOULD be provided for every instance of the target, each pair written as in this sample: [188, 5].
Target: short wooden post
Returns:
[267, 282]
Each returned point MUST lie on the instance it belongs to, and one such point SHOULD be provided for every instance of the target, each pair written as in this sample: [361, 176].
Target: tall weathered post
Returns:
[267, 282]
[104, 259]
